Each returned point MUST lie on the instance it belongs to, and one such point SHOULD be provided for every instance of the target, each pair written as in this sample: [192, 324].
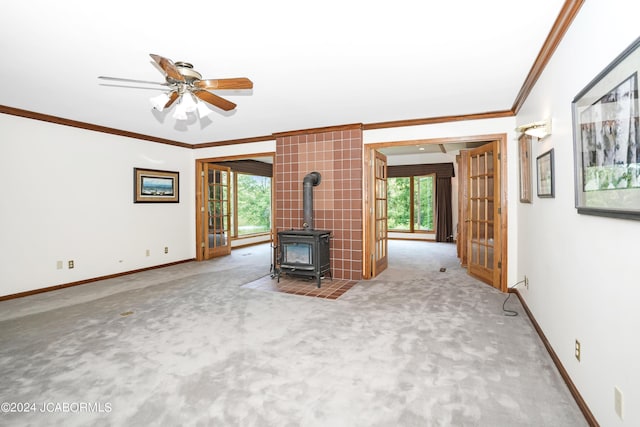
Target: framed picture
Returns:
[606, 140]
[544, 164]
[155, 186]
[524, 149]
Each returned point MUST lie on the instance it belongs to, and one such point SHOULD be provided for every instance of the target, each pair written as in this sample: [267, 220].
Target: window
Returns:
[253, 204]
[423, 202]
[399, 204]
[411, 203]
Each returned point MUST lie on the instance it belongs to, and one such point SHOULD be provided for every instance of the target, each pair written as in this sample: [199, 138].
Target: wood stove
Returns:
[305, 252]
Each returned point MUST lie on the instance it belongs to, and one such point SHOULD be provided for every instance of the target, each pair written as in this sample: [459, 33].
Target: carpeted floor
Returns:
[189, 345]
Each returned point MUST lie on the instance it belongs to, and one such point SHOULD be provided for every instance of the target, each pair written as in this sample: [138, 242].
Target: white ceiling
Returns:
[312, 64]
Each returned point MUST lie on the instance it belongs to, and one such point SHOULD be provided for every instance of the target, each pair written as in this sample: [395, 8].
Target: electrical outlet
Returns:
[148, 252]
[59, 265]
[526, 282]
[166, 249]
[578, 350]
[71, 264]
[618, 401]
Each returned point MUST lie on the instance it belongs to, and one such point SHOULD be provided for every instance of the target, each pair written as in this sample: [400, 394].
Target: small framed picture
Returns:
[544, 164]
[155, 186]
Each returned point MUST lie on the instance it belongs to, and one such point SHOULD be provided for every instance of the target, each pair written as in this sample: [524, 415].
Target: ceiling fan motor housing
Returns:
[186, 69]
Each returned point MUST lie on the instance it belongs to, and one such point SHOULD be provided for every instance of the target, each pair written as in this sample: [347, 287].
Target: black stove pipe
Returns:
[311, 180]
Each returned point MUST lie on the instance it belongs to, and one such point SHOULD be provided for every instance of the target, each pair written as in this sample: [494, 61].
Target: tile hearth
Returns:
[331, 289]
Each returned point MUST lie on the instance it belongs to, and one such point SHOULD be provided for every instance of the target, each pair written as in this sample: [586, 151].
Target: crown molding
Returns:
[441, 119]
[88, 126]
[353, 126]
[233, 141]
[558, 30]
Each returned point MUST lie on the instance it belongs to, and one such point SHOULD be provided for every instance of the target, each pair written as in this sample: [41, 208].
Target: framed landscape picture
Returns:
[606, 140]
[155, 186]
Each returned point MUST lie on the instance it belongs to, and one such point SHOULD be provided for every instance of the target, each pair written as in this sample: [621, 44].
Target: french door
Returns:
[380, 213]
[214, 205]
[483, 214]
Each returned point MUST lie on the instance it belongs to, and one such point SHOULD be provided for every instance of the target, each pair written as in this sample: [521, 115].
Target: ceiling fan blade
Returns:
[214, 100]
[235, 83]
[168, 66]
[118, 79]
[134, 87]
[172, 98]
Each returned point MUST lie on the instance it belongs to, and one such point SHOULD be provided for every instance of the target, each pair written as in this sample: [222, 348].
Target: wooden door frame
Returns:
[199, 168]
[368, 220]
[462, 160]
[501, 139]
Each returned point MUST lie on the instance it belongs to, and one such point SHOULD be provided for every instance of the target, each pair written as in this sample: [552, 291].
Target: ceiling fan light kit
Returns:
[180, 113]
[186, 86]
[158, 102]
[203, 110]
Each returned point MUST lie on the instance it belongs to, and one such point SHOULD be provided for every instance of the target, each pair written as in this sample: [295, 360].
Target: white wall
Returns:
[582, 269]
[68, 195]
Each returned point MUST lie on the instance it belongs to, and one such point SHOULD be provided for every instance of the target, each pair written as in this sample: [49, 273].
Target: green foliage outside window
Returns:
[398, 203]
[423, 203]
[254, 204]
[411, 198]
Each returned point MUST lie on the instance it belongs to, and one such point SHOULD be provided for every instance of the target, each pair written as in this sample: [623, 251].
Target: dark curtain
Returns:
[252, 167]
[444, 227]
[442, 170]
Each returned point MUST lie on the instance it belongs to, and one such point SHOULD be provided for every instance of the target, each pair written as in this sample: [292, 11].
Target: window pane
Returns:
[423, 197]
[254, 204]
[399, 203]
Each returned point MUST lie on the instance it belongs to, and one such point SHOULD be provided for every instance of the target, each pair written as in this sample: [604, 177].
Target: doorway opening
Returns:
[489, 231]
[234, 203]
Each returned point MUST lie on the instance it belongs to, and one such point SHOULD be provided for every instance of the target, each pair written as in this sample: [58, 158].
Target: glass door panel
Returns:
[218, 211]
[380, 214]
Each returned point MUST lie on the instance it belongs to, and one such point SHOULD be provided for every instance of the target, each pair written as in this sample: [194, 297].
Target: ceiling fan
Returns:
[183, 83]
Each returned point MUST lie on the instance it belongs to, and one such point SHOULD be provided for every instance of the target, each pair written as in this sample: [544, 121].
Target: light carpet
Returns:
[187, 345]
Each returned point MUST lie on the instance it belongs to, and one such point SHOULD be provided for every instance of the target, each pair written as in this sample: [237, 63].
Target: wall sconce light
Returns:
[540, 129]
